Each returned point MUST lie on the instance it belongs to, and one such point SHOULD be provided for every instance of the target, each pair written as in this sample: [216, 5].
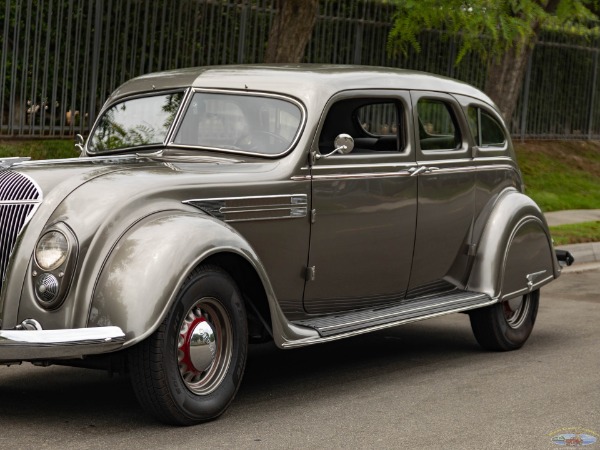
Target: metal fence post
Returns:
[526, 96]
[358, 43]
[242, 37]
[593, 94]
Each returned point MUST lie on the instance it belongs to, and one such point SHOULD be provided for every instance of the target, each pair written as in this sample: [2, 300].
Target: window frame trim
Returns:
[375, 158]
[463, 151]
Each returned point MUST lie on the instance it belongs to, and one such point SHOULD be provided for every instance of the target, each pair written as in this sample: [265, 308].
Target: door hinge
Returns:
[310, 273]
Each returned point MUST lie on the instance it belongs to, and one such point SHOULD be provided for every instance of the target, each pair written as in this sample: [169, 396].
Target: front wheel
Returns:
[189, 370]
[507, 325]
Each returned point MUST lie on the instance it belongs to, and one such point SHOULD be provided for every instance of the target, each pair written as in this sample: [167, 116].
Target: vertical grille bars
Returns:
[19, 197]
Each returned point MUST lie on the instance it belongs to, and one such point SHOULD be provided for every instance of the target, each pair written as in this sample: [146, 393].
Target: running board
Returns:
[405, 312]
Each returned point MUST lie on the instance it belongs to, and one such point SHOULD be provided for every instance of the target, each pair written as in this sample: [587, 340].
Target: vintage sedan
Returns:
[215, 207]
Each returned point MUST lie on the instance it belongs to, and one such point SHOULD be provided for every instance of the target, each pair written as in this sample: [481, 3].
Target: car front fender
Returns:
[142, 275]
[515, 253]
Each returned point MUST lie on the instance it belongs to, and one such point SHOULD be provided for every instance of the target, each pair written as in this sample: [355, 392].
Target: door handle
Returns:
[416, 170]
[421, 169]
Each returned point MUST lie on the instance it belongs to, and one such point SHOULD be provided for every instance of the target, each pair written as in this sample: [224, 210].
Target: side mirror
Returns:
[79, 141]
[343, 144]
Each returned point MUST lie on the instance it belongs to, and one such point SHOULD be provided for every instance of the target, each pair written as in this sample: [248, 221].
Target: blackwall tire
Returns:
[507, 325]
[189, 370]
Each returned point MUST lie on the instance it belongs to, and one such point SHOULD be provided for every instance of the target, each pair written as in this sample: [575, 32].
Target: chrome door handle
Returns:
[416, 170]
[421, 169]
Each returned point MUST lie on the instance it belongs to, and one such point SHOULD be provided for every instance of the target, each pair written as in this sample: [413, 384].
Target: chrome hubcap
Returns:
[204, 346]
[515, 310]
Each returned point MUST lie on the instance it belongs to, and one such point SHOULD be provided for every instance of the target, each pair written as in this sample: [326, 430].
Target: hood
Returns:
[76, 190]
[100, 198]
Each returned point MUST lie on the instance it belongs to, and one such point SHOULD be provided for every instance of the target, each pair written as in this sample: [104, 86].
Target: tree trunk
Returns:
[505, 75]
[505, 78]
[291, 30]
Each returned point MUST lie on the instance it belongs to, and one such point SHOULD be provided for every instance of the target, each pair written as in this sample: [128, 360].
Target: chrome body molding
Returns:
[244, 209]
[530, 287]
[30, 345]
[6, 163]
[358, 176]
[491, 167]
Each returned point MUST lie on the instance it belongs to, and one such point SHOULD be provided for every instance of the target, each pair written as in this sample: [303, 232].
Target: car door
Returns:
[363, 204]
[446, 185]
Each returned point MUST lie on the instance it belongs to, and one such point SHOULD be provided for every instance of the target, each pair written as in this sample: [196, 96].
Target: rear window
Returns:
[486, 130]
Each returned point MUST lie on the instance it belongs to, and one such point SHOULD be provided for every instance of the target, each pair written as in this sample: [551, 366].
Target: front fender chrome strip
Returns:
[244, 209]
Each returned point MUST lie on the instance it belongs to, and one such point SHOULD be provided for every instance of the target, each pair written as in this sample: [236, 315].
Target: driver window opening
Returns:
[374, 124]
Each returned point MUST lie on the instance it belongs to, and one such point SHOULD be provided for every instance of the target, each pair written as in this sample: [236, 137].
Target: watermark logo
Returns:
[573, 437]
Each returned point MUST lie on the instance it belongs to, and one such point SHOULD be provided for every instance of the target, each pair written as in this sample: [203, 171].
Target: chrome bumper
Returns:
[30, 345]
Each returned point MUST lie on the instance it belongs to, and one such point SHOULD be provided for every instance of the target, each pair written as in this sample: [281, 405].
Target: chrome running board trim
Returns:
[338, 326]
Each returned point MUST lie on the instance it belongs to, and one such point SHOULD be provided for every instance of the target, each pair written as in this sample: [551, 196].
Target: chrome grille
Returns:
[19, 197]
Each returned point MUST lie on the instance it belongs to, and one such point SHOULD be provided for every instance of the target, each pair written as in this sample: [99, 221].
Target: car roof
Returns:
[302, 81]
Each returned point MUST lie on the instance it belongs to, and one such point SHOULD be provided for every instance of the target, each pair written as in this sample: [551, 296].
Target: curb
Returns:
[580, 268]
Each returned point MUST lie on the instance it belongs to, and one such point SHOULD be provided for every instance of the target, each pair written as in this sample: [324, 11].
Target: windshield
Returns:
[135, 122]
[240, 123]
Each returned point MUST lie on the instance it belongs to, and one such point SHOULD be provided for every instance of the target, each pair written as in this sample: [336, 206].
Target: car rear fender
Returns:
[515, 253]
[142, 275]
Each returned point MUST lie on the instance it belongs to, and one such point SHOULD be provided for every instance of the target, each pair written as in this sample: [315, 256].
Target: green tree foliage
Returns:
[488, 27]
[501, 32]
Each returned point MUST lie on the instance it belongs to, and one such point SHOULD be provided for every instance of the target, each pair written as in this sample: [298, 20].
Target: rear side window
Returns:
[437, 126]
[486, 130]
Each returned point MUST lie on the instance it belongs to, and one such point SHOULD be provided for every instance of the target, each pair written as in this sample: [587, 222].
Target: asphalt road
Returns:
[425, 385]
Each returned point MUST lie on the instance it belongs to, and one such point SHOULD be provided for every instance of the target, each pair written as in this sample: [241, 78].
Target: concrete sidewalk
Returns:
[571, 216]
[583, 253]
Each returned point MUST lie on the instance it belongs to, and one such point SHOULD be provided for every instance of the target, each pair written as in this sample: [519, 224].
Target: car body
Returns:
[217, 206]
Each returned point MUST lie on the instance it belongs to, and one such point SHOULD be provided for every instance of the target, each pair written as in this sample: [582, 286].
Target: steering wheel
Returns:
[260, 139]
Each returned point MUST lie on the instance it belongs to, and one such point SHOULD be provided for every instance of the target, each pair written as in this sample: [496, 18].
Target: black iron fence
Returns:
[61, 58]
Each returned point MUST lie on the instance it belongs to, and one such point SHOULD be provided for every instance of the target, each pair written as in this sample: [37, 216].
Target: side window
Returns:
[374, 124]
[485, 128]
[437, 126]
[380, 119]
[473, 119]
[491, 131]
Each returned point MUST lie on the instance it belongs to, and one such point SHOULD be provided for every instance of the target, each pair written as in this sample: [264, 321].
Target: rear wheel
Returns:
[507, 325]
[189, 370]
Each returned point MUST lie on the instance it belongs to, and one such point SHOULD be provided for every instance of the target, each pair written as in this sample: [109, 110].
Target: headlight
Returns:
[54, 262]
[52, 250]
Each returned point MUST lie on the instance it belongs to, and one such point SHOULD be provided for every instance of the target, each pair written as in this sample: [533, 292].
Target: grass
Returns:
[38, 149]
[561, 175]
[576, 233]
